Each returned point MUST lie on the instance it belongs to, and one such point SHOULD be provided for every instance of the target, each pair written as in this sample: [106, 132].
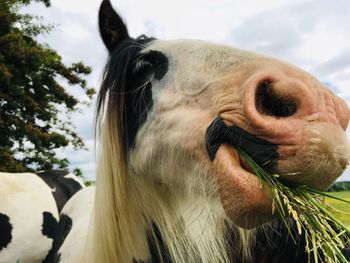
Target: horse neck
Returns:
[151, 223]
[179, 227]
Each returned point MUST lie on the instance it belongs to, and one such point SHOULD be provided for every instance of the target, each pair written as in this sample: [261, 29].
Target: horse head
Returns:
[171, 117]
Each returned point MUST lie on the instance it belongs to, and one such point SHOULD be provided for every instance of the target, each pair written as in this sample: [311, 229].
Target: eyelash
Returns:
[140, 65]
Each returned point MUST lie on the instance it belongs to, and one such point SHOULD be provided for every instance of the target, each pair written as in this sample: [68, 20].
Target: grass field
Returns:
[341, 206]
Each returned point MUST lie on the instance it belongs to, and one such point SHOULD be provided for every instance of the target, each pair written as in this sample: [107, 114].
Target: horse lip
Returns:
[235, 178]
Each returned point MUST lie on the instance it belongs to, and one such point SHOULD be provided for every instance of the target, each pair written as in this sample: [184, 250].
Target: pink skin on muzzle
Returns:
[312, 145]
[315, 103]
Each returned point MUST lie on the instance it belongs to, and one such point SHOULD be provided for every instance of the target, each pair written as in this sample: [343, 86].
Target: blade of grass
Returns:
[312, 218]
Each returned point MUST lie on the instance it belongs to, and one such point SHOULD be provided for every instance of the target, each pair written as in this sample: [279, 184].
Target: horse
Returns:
[171, 184]
[30, 204]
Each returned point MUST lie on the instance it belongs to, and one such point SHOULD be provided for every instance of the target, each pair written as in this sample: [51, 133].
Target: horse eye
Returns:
[141, 66]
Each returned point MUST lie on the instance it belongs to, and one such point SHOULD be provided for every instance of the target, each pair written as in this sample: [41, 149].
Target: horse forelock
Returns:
[116, 125]
[119, 92]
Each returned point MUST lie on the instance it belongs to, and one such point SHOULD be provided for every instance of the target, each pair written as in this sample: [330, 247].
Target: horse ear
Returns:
[112, 28]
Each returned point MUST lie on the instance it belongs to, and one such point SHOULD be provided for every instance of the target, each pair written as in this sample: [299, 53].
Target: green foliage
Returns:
[89, 183]
[340, 186]
[31, 97]
[77, 172]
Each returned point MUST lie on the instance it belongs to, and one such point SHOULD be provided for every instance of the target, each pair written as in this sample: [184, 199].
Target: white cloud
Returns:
[83, 159]
[311, 34]
[80, 9]
[334, 65]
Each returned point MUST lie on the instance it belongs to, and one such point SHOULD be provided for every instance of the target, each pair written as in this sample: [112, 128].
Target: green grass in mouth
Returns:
[325, 234]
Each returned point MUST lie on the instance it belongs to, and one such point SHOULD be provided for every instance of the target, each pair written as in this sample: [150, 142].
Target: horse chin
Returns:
[244, 199]
[321, 158]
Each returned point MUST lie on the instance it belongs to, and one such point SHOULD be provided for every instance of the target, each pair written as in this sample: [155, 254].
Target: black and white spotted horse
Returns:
[29, 213]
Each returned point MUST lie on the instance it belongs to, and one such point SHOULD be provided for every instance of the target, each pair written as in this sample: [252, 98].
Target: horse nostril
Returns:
[268, 102]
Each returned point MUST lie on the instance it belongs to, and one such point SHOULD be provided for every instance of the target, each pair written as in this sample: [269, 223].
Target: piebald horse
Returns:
[30, 204]
[171, 186]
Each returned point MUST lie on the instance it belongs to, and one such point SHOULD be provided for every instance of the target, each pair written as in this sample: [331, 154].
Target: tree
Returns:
[31, 96]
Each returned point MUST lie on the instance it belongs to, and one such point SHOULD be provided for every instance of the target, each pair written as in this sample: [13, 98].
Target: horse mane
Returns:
[115, 92]
[110, 235]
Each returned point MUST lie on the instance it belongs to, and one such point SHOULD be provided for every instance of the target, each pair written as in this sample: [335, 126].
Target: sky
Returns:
[313, 35]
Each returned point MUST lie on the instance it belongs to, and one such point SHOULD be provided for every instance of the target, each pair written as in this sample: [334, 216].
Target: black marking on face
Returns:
[150, 63]
[5, 231]
[261, 151]
[64, 227]
[63, 188]
[126, 88]
[127, 83]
